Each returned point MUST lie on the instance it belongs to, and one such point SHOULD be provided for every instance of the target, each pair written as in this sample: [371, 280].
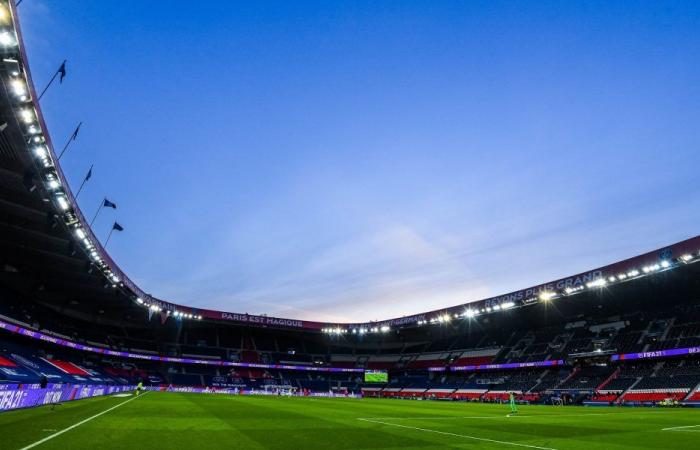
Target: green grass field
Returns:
[197, 421]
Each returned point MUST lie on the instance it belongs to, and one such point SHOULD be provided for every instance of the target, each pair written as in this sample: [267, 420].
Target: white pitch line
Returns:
[490, 417]
[475, 438]
[434, 418]
[679, 428]
[47, 438]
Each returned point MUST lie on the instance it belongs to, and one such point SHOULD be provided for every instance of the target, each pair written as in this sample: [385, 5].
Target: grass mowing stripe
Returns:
[466, 436]
[48, 438]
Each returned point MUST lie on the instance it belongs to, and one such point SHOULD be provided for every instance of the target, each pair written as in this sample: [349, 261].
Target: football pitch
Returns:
[199, 421]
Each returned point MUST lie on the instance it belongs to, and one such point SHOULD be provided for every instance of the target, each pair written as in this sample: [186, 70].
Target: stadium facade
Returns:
[72, 321]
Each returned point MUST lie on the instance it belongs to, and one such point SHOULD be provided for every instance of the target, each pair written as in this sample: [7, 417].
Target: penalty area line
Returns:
[447, 433]
[51, 436]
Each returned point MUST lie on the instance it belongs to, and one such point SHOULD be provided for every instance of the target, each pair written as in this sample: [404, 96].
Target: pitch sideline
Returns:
[466, 436]
[48, 438]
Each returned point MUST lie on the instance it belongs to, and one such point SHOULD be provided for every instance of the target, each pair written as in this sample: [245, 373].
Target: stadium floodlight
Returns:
[19, 88]
[687, 257]
[507, 305]
[665, 264]
[621, 276]
[612, 279]
[469, 313]
[444, 318]
[651, 268]
[139, 300]
[54, 184]
[600, 282]
[385, 329]
[62, 202]
[633, 273]
[27, 116]
[547, 295]
[80, 233]
[40, 152]
[7, 39]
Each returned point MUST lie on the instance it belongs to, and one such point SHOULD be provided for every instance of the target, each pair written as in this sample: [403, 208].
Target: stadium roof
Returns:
[43, 227]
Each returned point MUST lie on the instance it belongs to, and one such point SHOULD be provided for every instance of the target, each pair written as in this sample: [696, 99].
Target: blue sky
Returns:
[365, 160]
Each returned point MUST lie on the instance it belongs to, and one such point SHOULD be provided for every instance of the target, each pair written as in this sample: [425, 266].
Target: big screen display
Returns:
[376, 376]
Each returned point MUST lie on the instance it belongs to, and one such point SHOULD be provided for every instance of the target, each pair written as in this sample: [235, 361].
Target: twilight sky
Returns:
[361, 160]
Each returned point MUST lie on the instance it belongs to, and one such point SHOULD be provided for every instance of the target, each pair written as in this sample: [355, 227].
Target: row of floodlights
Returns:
[338, 330]
[157, 308]
[28, 116]
[544, 296]
[622, 276]
[467, 313]
[8, 39]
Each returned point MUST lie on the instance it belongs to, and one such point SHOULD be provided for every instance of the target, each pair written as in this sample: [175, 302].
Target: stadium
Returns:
[606, 358]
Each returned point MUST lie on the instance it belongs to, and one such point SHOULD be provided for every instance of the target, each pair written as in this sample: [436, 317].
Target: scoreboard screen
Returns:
[376, 376]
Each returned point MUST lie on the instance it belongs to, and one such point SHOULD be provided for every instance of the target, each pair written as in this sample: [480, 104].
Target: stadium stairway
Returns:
[570, 377]
[622, 395]
[608, 380]
[693, 393]
[539, 381]
[669, 325]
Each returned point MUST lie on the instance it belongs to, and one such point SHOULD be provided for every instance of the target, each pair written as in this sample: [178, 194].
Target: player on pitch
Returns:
[513, 407]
